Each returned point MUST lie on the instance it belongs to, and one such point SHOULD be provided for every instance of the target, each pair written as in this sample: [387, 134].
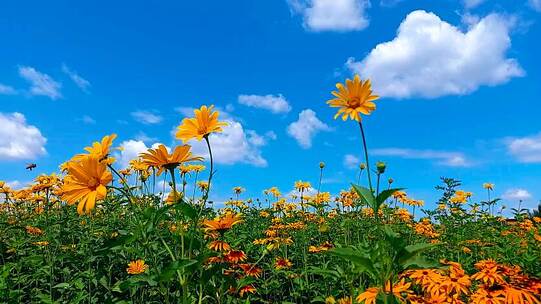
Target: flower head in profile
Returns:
[200, 126]
[101, 149]
[85, 183]
[353, 98]
[160, 159]
[136, 267]
[488, 186]
[222, 223]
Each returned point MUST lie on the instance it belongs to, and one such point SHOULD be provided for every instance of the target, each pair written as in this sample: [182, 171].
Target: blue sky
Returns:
[459, 82]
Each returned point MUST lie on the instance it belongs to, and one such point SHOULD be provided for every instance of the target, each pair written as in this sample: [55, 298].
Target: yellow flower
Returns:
[488, 186]
[100, 149]
[85, 183]
[161, 159]
[353, 98]
[136, 267]
[200, 126]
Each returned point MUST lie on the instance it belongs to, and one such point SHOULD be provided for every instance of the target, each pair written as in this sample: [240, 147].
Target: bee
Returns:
[31, 166]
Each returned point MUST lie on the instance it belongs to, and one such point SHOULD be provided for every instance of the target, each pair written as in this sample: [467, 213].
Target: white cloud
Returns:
[19, 140]
[535, 4]
[40, 83]
[351, 161]
[306, 127]
[431, 58]
[472, 3]
[516, 194]
[525, 149]
[7, 90]
[275, 104]
[79, 81]
[16, 185]
[146, 117]
[131, 150]
[332, 15]
[234, 145]
[444, 158]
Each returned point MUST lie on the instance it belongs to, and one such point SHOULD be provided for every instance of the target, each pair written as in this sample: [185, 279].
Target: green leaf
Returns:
[385, 194]
[360, 260]
[188, 210]
[366, 195]
[171, 269]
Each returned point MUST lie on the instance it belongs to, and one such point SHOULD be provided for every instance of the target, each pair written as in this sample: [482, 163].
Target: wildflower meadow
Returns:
[96, 233]
[270, 152]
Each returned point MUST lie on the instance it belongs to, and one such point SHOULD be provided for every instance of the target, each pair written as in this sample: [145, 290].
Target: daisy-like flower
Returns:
[488, 186]
[85, 183]
[282, 263]
[246, 289]
[99, 148]
[251, 270]
[161, 159]
[136, 267]
[221, 223]
[200, 126]
[235, 256]
[218, 245]
[353, 98]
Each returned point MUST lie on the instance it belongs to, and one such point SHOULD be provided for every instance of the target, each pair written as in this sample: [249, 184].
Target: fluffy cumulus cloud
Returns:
[431, 58]
[516, 194]
[306, 127]
[7, 90]
[274, 103]
[332, 15]
[18, 139]
[444, 158]
[146, 117]
[234, 145]
[525, 149]
[351, 161]
[79, 81]
[40, 83]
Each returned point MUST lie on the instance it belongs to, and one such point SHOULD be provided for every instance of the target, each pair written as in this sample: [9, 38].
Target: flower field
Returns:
[98, 233]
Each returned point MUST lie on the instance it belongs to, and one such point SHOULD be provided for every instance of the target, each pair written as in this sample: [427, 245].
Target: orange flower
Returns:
[85, 183]
[136, 267]
[235, 256]
[282, 263]
[353, 99]
[368, 296]
[200, 126]
[222, 223]
[33, 230]
[246, 289]
[251, 270]
[219, 246]
[161, 159]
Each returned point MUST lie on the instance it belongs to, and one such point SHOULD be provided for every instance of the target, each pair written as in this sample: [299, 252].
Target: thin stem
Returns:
[366, 156]
[211, 170]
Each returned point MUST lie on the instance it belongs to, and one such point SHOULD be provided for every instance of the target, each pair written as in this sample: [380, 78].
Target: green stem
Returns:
[366, 156]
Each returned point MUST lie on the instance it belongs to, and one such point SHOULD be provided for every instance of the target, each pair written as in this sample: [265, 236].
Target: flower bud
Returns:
[362, 166]
[380, 166]
[321, 165]
[390, 180]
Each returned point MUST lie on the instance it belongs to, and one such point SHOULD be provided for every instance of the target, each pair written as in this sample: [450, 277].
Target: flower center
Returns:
[93, 183]
[354, 102]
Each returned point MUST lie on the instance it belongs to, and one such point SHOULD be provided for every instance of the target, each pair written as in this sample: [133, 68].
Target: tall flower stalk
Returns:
[353, 99]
